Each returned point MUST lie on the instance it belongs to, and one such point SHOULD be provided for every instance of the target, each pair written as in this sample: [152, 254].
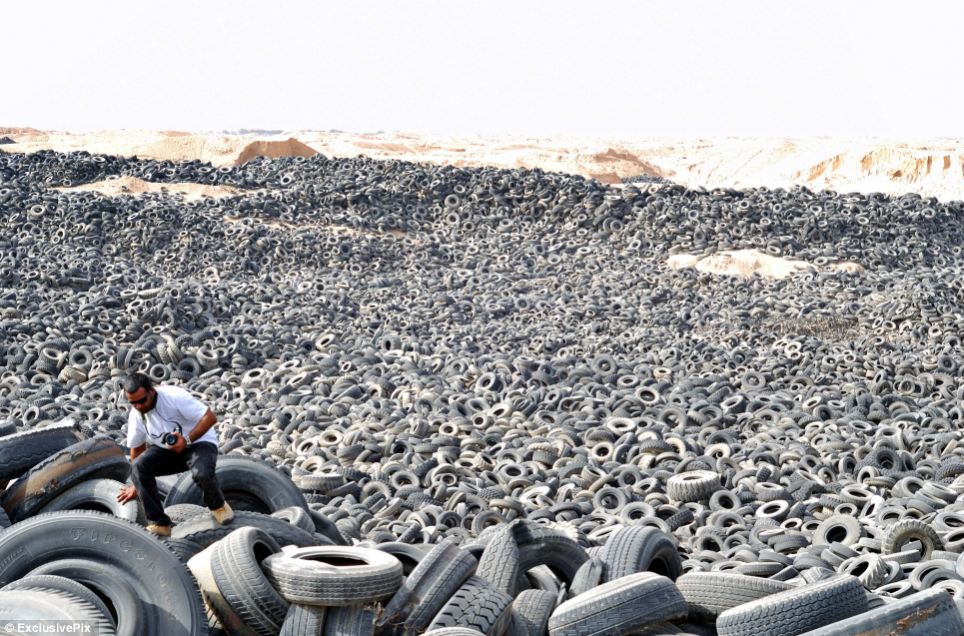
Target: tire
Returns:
[216, 605]
[99, 495]
[7, 427]
[236, 566]
[180, 513]
[454, 631]
[423, 593]
[4, 519]
[320, 576]
[619, 607]
[296, 516]
[21, 451]
[543, 545]
[45, 606]
[350, 620]
[693, 485]
[635, 549]
[589, 575]
[109, 584]
[247, 483]
[320, 482]
[476, 605]
[326, 526]
[410, 554]
[928, 613]
[204, 530]
[499, 564]
[531, 610]
[907, 530]
[171, 599]
[304, 620]
[796, 611]
[65, 585]
[93, 458]
[182, 548]
[709, 594]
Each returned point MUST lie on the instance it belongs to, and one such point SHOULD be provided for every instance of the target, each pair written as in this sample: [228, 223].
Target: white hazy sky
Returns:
[645, 68]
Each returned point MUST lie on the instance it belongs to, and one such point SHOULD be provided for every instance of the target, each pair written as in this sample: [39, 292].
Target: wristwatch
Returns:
[187, 441]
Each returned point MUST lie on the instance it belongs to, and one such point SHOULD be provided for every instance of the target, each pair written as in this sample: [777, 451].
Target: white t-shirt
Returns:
[174, 406]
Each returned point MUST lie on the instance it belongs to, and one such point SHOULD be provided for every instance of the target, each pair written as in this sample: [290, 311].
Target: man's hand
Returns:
[126, 494]
[180, 445]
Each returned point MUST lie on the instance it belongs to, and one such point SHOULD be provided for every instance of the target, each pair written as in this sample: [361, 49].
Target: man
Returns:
[158, 412]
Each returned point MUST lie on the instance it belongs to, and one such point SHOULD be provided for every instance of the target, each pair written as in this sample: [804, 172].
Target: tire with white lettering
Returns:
[170, 597]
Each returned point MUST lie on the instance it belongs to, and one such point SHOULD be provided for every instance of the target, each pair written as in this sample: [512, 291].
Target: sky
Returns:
[593, 68]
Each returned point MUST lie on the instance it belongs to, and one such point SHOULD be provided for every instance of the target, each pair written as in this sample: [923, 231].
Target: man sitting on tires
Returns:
[170, 431]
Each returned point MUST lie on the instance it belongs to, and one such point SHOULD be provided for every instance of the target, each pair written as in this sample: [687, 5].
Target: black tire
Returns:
[204, 530]
[7, 427]
[334, 575]
[109, 584]
[635, 549]
[99, 495]
[296, 516]
[304, 620]
[454, 631]
[4, 519]
[94, 458]
[219, 612]
[236, 565]
[928, 613]
[21, 451]
[543, 545]
[37, 607]
[619, 607]
[247, 483]
[180, 513]
[182, 548]
[476, 605]
[499, 563]
[350, 620]
[326, 526]
[589, 575]
[169, 596]
[410, 554]
[531, 610]
[709, 594]
[320, 482]
[65, 585]
[423, 593]
[796, 611]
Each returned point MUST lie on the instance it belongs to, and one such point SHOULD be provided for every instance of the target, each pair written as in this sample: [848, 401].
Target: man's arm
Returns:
[203, 426]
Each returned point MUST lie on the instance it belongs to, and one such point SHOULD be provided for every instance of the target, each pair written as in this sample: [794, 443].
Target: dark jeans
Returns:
[155, 461]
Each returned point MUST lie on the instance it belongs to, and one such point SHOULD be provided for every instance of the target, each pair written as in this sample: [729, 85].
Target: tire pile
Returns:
[491, 377]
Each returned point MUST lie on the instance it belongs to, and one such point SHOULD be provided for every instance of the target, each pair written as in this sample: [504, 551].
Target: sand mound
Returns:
[291, 147]
[895, 165]
[746, 263]
[134, 186]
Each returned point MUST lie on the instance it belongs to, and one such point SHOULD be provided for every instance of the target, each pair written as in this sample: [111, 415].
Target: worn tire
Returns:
[476, 605]
[182, 548]
[218, 610]
[693, 485]
[423, 593]
[635, 549]
[21, 451]
[94, 458]
[247, 483]
[43, 606]
[296, 516]
[796, 611]
[204, 530]
[619, 607]
[236, 565]
[109, 584]
[928, 613]
[304, 620]
[319, 575]
[139, 559]
[709, 594]
[911, 530]
[588, 576]
[99, 495]
[499, 563]
[531, 610]
[65, 585]
[351, 620]
[180, 513]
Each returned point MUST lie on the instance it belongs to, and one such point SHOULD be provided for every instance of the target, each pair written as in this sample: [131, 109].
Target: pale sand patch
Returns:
[119, 186]
[746, 263]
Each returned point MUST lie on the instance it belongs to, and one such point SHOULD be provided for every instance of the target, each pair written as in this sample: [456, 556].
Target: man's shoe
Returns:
[224, 514]
[158, 529]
